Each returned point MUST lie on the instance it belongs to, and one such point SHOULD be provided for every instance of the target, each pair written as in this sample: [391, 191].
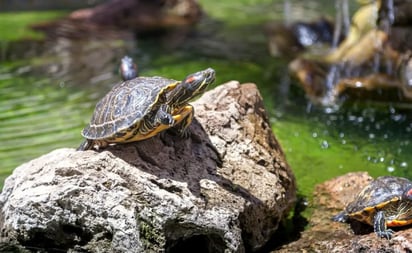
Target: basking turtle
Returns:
[385, 202]
[140, 108]
[127, 68]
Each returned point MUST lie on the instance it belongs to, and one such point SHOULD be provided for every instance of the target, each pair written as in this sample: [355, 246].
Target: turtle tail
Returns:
[341, 217]
[85, 145]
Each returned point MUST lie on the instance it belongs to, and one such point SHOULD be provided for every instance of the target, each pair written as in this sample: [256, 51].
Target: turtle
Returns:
[384, 202]
[142, 107]
[127, 68]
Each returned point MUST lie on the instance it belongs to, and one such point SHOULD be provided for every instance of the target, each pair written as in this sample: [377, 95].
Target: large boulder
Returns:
[224, 189]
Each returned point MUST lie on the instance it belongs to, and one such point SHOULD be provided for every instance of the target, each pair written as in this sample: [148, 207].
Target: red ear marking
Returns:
[190, 79]
[409, 193]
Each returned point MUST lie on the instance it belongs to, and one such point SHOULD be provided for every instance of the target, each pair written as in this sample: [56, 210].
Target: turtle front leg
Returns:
[92, 144]
[183, 119]
[379, 226]
[163, 116]
[156, 123]
[85, 145]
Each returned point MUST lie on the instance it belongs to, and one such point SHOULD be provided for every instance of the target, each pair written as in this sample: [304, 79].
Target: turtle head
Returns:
[405, 208]
[408, 193]
[193, 85]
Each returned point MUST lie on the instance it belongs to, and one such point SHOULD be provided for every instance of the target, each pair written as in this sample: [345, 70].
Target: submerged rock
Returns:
[136, 15]
[325, 235]
[141, 14]
[224, 189]
[292, 39]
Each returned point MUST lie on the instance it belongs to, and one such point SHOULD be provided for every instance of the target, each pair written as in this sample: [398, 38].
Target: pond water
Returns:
[48, 89]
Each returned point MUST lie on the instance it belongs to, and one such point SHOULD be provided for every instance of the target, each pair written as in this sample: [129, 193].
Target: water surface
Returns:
[48, 90]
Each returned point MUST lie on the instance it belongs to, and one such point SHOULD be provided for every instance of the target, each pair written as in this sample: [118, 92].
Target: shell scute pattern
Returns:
[125, 106]
[379, 193]
[385, 202]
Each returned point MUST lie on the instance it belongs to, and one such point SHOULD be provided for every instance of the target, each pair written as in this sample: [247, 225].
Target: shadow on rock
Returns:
[189, 160]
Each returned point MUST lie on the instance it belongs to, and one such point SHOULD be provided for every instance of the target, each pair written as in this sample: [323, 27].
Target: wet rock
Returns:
[114, 15]
[224, 189]
[141, 14]
[324, 235]
[293, 39]
[369, 64]
[122, 19]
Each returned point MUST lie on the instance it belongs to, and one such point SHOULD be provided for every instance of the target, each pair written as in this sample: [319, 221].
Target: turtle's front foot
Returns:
[184, 119]
[379, 226]
[85, 145]
[385, 234]
[182, 132]
[92, 145]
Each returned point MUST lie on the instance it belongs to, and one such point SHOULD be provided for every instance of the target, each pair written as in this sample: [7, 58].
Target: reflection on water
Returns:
[36, 116]
[342, 20]
[48, 91]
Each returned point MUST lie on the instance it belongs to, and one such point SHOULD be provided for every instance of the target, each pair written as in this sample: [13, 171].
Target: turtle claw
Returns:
[379, 226]
[85, 145]
[184, 133]
[385, 234]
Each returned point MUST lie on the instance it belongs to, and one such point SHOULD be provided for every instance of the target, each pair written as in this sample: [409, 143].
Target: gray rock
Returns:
[224, 189]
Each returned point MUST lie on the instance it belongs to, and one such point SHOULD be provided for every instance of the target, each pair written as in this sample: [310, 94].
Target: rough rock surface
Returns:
[324, 235]
[224, 189]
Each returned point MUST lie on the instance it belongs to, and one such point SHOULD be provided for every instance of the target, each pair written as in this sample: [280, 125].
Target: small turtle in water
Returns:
[142, 107]
[385, 202]
[127, 68]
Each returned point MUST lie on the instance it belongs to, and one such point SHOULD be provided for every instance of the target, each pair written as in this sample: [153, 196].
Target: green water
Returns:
[48, 90]
[14, 25]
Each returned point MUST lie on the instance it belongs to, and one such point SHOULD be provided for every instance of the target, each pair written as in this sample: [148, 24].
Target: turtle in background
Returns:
[385, 202]
[127, 68]
[142, 107]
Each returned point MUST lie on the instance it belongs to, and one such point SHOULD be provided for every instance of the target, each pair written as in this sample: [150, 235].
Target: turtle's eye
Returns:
[209, 75]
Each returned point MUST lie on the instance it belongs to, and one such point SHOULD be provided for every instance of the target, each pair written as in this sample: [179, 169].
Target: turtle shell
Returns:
[384, 193]
[126, 105]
